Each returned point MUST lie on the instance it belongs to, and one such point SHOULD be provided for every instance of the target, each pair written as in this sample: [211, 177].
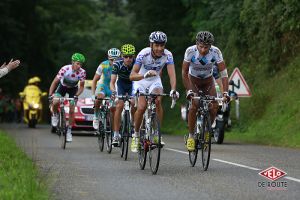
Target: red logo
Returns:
[272, 173]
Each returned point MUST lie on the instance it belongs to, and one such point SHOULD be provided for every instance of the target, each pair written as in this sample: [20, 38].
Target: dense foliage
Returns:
[259, 36]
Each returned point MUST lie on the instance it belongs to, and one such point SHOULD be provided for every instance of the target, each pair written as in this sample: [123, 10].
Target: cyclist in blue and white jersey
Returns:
[197, 74]
[146, 74]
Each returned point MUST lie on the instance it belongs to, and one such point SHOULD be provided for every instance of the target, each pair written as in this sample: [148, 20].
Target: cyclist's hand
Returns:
[189, 94]
[50, 99]
[150, 73]
[75, 98]
[174, 94]
[93, 97]
[226, 97]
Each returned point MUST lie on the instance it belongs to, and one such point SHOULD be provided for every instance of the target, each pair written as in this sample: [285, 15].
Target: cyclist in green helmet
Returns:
[66, 81]
[120, 73]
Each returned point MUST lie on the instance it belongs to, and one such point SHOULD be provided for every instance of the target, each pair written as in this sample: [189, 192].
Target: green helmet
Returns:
[78, 57]
[128, 49]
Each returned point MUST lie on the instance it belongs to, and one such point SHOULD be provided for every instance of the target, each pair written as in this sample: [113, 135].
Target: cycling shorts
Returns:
[103, 89]
[144, 83]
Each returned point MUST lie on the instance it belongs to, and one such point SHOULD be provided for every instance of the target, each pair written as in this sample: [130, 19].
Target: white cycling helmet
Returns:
[158, 37]
[114, 53]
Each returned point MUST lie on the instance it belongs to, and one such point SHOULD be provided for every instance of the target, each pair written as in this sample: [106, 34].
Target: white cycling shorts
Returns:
[144, 83]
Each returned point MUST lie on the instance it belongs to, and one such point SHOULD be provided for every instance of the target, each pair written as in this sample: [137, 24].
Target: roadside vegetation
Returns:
[19, 179]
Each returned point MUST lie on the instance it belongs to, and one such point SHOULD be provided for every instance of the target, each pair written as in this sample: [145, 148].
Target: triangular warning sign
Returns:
[240, 86]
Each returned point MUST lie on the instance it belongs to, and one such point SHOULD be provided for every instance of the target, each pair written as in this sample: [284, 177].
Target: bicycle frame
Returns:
[61, 127]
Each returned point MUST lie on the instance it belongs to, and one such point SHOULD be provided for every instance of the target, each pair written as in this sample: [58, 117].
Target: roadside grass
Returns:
[270, 117]
[19, 178]
[279, 123]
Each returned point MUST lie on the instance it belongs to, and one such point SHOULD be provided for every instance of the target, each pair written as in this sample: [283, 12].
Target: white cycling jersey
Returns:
[70, 78]
[202, 66]
[147, 62]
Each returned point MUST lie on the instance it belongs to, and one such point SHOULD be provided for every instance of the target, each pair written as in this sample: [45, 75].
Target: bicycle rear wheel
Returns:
[126, 134]
[205, 139]
[143, 147]
[108, 133]
[155, 144]
[101, 135]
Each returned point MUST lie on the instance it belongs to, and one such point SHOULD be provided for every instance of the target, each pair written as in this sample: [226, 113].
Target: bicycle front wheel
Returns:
[155, 144]
[126, 134]
[62, 129]
[205, 139]
[108, 133]
[143, 147]
[101, 135]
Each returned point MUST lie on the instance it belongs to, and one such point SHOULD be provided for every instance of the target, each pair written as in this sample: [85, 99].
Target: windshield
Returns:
[87, 93]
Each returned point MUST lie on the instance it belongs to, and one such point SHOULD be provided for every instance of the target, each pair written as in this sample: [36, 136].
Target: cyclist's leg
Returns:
[195, 83]
[209, 86]
[141, 107]
[59, 92]
[100, 93]
[72, 92]
[157, 88]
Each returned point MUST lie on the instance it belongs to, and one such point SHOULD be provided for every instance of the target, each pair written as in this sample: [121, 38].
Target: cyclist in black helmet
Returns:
[197, 74]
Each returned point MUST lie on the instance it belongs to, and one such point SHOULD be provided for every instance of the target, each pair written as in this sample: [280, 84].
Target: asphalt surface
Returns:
[81, 171]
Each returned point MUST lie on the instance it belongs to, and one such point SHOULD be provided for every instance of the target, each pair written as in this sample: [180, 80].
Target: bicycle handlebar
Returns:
[208, 98]
[63, 98]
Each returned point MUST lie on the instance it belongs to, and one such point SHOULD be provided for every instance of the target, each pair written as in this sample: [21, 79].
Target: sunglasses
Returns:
[131, 56]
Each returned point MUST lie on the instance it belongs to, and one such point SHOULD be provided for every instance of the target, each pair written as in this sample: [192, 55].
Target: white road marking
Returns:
[292, 179]
[232, 163]
[236, 164]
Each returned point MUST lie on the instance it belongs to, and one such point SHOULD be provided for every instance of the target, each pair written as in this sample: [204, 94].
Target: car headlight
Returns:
[67, 109]
[35, 105]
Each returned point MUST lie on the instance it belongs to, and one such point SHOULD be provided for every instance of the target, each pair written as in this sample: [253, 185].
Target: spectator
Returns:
[4, 69]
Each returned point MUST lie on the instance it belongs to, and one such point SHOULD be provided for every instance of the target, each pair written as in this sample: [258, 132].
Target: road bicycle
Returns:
[61, 128]
[126, 127]
[203, 130]
[104, 131]
[150, 134]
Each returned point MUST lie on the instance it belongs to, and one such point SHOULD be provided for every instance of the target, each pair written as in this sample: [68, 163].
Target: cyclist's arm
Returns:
[224, 75]
[53, 86]
[95, 79]
[81, 87]
[135, 76]
[185, 76]
[172, 75]
[112, 82]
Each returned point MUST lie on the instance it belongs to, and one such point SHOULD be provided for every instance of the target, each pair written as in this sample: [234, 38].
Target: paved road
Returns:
[82, 172]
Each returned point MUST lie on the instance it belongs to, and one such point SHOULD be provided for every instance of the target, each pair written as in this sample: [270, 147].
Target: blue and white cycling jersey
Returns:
[147, 62]
[202, 66]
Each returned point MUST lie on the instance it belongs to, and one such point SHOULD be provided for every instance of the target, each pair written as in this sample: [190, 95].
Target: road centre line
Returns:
[235, 164]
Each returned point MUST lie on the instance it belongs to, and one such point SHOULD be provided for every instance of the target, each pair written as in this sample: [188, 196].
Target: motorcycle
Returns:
[223, 120]
[32, 105]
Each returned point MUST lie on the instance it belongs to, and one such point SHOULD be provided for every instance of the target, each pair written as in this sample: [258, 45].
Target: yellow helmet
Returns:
[36, 79]
[31, 81]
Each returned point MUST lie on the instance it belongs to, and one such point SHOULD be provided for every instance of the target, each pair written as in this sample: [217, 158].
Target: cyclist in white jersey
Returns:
[66, 81]
[146, 74]
[197, 71]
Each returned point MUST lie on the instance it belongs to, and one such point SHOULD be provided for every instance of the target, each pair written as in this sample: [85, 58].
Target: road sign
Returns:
[240, 86]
